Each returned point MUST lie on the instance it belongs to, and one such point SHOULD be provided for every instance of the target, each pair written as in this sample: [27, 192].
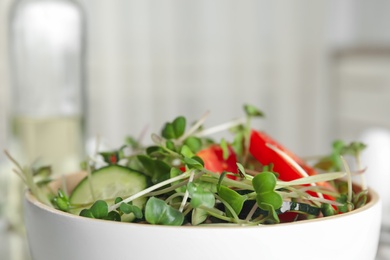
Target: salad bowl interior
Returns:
[54, 234]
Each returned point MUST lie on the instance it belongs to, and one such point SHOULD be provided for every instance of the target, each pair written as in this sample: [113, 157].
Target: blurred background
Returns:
[320, 70]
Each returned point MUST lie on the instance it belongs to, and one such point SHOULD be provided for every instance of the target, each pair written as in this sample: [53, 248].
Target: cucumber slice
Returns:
[108, 183]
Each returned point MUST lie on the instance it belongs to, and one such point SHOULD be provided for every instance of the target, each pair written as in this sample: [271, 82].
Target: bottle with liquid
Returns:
[47, 82]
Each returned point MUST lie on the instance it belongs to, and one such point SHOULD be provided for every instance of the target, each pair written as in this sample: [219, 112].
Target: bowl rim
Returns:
[374, 199]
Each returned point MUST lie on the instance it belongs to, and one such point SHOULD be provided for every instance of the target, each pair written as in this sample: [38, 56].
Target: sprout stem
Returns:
[186, 194]
[194, 128]
[174, 195]
[217, 213]
[228, 207]
[312, 179]
[346, 166]
[219, 128]
[362, 176]
[150, 189]
[251, 212]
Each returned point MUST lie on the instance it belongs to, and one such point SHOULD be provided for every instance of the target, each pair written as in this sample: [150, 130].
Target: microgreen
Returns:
[158, 170]
[194, 163]
[238, 143]
[26, 174]
[343, 199]
[61, 201]
[198, 216]
[101, 210]
[333, 162]
[180, 188]
[111, 157]
[174, 129]
[200, 196]
[272, 216]
[225, 149]
[186, 151]
[264, 185]
[253, 111]
[174, 173]
[233, 198]
[193, 143]
[327, 210]
[132, 142]
[159, 213]
[128, 208]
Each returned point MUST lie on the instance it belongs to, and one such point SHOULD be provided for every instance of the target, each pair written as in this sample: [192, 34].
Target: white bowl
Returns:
[53, 234]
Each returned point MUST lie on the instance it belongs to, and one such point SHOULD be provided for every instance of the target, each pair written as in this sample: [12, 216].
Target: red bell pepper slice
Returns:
[287, 172]
[214, 161]
[265, 155]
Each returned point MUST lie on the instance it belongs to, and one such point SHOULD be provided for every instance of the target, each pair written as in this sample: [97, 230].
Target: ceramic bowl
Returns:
[53, 234]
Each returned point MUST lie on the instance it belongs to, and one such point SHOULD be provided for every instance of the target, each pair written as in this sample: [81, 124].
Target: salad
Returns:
[187, 178]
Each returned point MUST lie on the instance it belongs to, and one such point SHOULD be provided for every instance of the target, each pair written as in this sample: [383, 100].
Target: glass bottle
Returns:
[47, 82]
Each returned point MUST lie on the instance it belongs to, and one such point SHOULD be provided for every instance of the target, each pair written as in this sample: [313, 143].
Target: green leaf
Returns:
[272, 215]
[158, 212]
[272, 198]
[99, 209]
[86, 213]
[333, 162]
[61, 203]
[154, 150]
[179, 126]
[110, 157]
[43, 172]
[264, 185]
[176, 172]
[193, 163]
[225, 149]
[200, 160]
[194, 143]
[132, 142]
[186, 151]
[198, 216]
[168, 131]
[162, 171]
[235, 200]
[62, 194]
[147, 163]
[114, 216]
[117, 200]
[238, 143]
[252, 111]
[221, 177]
[353, 148]
[360, 199]
[200, 196]
[343, 199]
[170, 145]
[241, 168]
[327, 210]
[175, 129]
[157, 169]
[128, 208]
